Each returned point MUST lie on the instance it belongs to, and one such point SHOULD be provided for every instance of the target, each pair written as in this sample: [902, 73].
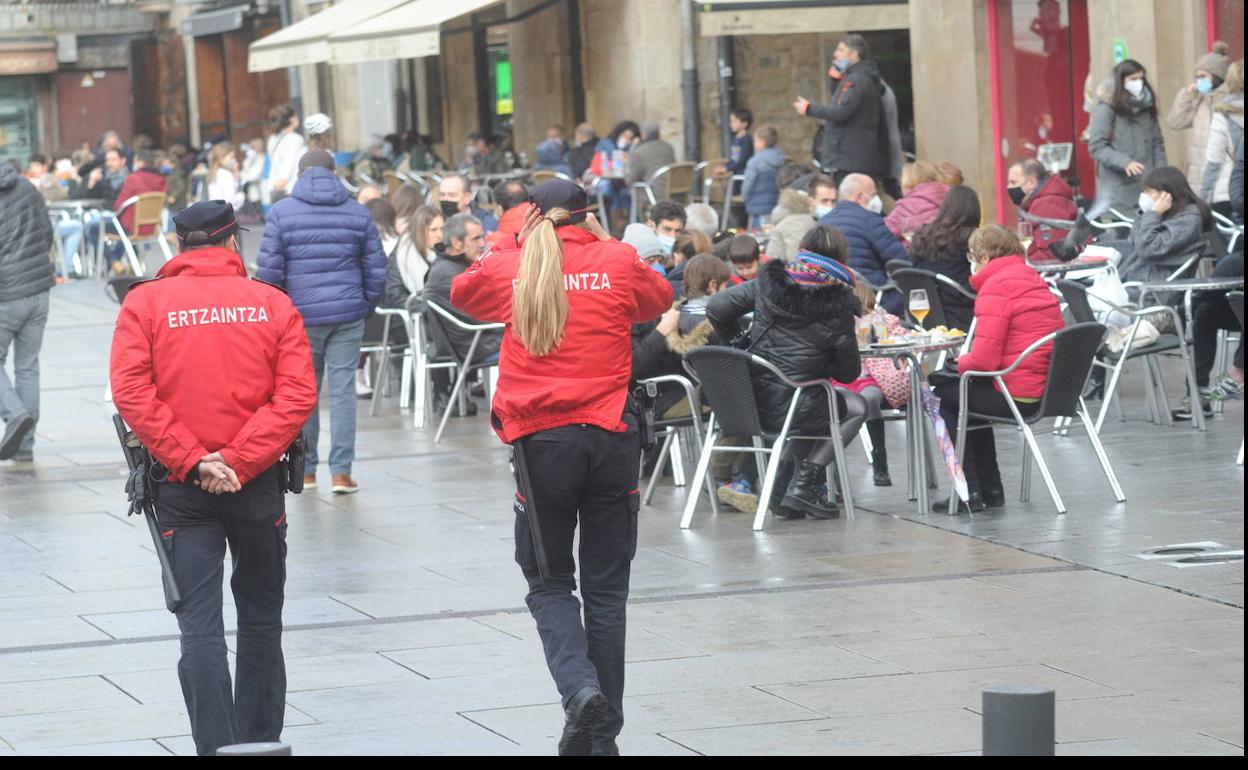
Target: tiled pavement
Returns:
[406, 631]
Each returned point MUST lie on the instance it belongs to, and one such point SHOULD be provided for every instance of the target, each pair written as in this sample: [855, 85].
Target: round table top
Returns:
[1212, 283]
[1068, 267]
[918, 347]
[81, 203]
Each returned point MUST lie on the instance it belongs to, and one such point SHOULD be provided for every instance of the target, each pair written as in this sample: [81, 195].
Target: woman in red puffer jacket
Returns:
[1013, 309]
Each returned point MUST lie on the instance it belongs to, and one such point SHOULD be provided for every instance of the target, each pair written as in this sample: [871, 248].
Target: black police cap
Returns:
[205, 222]
[561, 194]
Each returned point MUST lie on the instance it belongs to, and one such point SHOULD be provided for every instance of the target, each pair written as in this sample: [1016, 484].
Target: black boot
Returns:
[879, 454]
[439, 406]
[585, 710]
[803, 494]
[879, 467]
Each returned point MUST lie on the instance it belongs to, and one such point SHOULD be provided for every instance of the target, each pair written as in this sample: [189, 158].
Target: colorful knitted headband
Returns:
[817, 270]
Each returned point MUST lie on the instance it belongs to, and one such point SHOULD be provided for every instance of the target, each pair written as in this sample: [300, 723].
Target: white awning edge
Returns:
[305, 41]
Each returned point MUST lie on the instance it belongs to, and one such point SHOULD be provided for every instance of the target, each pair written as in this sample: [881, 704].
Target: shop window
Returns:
[17, 119]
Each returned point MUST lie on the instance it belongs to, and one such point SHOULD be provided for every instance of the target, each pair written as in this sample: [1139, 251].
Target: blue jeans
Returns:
[336, 347]
[22, 322]
[70, 235]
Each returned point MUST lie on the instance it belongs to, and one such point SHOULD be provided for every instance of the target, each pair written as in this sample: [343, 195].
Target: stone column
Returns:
[952, 91]
[541, 79]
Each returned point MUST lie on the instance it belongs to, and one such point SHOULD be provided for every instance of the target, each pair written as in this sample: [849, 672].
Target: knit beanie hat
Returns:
[1217, 61]
[644, 240]
[813, 269]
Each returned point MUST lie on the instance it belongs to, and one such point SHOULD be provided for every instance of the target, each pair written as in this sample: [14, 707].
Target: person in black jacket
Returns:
[940, 246]
[854, 134]
[26, 275]
[803, 323]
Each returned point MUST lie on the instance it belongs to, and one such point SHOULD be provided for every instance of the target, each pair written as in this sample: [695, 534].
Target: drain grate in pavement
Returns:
[1213, 558]
[1184, 555]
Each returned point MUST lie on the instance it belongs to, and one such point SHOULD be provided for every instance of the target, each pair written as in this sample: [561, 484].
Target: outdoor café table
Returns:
[916, 416]
[1053, 270]
[1189, 286]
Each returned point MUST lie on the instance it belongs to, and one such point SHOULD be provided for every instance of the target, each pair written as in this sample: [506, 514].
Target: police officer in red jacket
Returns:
[563, 403]
[213, 373]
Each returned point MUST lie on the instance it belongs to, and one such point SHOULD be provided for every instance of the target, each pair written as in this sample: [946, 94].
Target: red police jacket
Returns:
[585, 379]
[205, 360]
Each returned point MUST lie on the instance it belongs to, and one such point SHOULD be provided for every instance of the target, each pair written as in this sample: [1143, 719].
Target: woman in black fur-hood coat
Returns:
[806, 330]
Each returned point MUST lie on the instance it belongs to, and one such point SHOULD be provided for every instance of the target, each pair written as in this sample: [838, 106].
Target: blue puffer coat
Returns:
[323, 249]
[871, 245]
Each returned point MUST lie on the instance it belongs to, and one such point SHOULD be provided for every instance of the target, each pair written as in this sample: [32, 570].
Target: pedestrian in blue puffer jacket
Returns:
[324, 250]
[760, 191]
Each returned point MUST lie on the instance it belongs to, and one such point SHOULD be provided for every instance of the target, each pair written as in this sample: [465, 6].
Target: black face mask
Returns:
[1016, 194]
[449, 208]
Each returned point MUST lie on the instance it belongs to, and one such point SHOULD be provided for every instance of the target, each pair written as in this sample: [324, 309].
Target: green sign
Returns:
[502, 87]
[1120, 51]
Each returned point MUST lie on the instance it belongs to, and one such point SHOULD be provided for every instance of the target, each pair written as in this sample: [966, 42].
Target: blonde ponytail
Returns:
[540, 307]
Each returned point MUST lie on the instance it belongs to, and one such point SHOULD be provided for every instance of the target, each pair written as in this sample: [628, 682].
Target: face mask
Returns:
[1134, 87]
[449, 208]
[822, 211]
[975, 266]
[1146, 202]
[668, 243]
[623, 143]
[1204, 85]
[841, 64]
[875, 205]
[1016, 194]
[658, 268]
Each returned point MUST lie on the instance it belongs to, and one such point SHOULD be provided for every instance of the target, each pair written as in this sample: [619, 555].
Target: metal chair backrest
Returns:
[1076, 296]
[148, 208]
[893, 265]
[674, 180]
[726, 379]
[1074, 348]
[436, 322]
[909, 279]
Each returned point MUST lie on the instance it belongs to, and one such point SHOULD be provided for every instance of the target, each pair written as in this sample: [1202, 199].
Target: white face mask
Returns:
[822, 211]
[668, 243]
[975, 266]
[1146, 202]
[1134, 87]
[875, 205]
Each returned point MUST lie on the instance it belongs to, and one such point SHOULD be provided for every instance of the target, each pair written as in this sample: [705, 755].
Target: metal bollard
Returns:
[1019, 722]
[255, 750]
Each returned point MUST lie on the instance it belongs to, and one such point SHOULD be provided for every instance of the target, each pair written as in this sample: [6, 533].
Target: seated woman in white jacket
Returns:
[223, 184]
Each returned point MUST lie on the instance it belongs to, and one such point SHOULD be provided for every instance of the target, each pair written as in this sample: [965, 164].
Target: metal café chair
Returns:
[704, 178]
[1231, 231]
[1074, 350]
[424, 361]
[441, 317]
[379, 341]
[724, 375]
[392, 181]
[1076, 296]
[671, 182]
[1236, 300]
[909, 279]
[670, 451]
[148, 208]
[546, 175]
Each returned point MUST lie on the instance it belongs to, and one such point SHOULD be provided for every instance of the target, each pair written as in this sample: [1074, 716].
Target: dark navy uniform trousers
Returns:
[587, 475]
[196, 527]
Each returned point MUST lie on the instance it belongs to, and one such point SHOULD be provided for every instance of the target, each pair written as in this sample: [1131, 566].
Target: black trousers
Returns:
[979, 460]
[197, 527]
[586, 475]
[1211, 312]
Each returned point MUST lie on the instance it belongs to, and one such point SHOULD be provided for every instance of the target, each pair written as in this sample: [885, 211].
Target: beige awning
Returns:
[409, 31]
[764, 17]
[305, 41]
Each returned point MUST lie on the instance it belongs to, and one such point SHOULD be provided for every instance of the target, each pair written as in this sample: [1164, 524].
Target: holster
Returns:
[642, 403]
[294, 462]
